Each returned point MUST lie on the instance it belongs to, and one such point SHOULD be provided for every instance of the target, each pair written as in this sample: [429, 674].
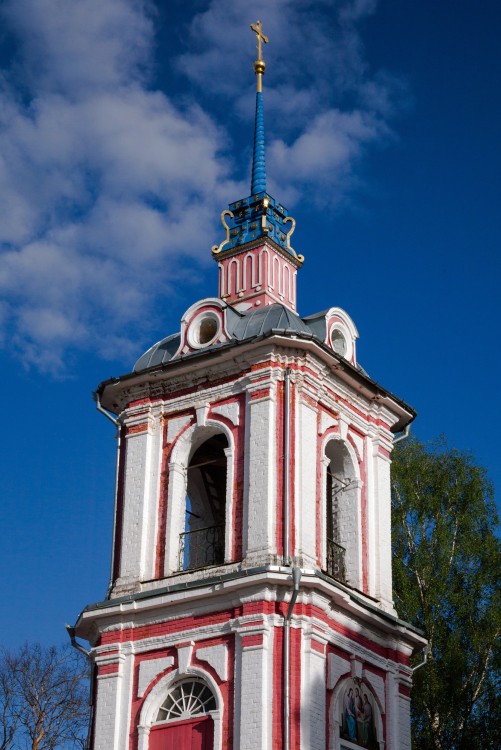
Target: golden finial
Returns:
[259, 64]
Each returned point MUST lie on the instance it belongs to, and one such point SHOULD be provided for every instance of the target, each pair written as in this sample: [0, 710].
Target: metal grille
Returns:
[185, 700]
[335, 560]
[201, 547]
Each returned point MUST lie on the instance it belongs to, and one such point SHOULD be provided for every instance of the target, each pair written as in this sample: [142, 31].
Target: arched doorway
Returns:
[183, 721]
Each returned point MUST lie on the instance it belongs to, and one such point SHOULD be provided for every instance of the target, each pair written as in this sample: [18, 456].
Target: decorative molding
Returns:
[336, 668]
[326, 421]
[230, 411]
[149, 669]
[357, 667]
[184, 654]
[174, 427]
[358, 442]
[202, 411]
[217, 658]
[343, 427]
[377, 684]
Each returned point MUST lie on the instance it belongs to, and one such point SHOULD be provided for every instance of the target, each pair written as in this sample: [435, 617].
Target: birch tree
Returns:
[43, 698]
[446, 559]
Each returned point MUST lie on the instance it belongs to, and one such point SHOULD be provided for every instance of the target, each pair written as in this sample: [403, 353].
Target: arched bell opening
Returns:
[202, 542]
[342, 514]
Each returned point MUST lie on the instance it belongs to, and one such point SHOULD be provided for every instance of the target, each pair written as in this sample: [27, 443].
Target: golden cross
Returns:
[257, 28]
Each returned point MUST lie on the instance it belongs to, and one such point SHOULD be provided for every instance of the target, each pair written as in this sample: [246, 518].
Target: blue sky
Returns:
[126, 128]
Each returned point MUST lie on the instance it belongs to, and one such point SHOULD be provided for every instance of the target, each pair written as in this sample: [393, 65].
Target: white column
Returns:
[313, 691]
[398, 722]
[260, 469]
[382, 487]
[151, 501]
[140, 499]
[253, 688]
[306, 483]
[371, 541]
[107, 715]
[176, 506]
[124, 696]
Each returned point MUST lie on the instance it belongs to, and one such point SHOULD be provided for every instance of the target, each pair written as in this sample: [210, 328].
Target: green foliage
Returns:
[446, 563]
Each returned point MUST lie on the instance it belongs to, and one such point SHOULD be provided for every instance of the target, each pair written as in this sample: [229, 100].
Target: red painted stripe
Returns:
[252, 640]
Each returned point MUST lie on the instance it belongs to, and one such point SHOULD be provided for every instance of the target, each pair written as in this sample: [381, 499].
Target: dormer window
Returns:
[338, 342]
[204, 329]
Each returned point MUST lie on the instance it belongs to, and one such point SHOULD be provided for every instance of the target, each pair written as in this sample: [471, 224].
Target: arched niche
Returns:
[154, 718]
[342, 554]
[355, 719]
[199, 528]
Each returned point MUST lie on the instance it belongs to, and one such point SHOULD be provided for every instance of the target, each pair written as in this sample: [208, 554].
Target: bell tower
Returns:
[250, 601]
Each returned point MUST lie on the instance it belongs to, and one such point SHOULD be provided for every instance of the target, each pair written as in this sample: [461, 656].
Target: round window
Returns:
[203, 330]
[338, 342]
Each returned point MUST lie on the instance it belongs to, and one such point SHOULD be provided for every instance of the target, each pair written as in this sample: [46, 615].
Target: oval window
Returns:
[203, 330]
[338, 342]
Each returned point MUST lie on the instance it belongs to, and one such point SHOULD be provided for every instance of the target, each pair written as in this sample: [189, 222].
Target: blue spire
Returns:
[258, 183]
[259, 216]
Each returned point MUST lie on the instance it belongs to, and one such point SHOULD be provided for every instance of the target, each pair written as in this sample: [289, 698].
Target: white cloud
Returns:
[322, 107]
[109, 187]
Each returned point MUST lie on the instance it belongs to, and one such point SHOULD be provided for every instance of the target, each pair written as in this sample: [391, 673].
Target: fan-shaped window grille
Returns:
[186, 700]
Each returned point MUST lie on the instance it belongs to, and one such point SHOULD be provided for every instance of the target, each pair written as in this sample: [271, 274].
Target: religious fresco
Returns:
[358, 715]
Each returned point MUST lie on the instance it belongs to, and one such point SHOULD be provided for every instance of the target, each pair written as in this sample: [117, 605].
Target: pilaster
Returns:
[260, 468]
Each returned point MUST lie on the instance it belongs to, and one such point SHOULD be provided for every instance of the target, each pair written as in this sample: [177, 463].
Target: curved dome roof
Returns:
[241, 326]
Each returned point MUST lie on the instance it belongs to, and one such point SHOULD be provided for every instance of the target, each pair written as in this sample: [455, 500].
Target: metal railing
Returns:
[201, 547]
[335, 561]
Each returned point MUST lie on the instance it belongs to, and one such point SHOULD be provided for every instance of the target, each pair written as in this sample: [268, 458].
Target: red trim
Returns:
[252, 640]
[277, 703]
[104, 669]
[317, 646]
[264, 607]
[183, 644]
[261, 393]
[136, 428]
